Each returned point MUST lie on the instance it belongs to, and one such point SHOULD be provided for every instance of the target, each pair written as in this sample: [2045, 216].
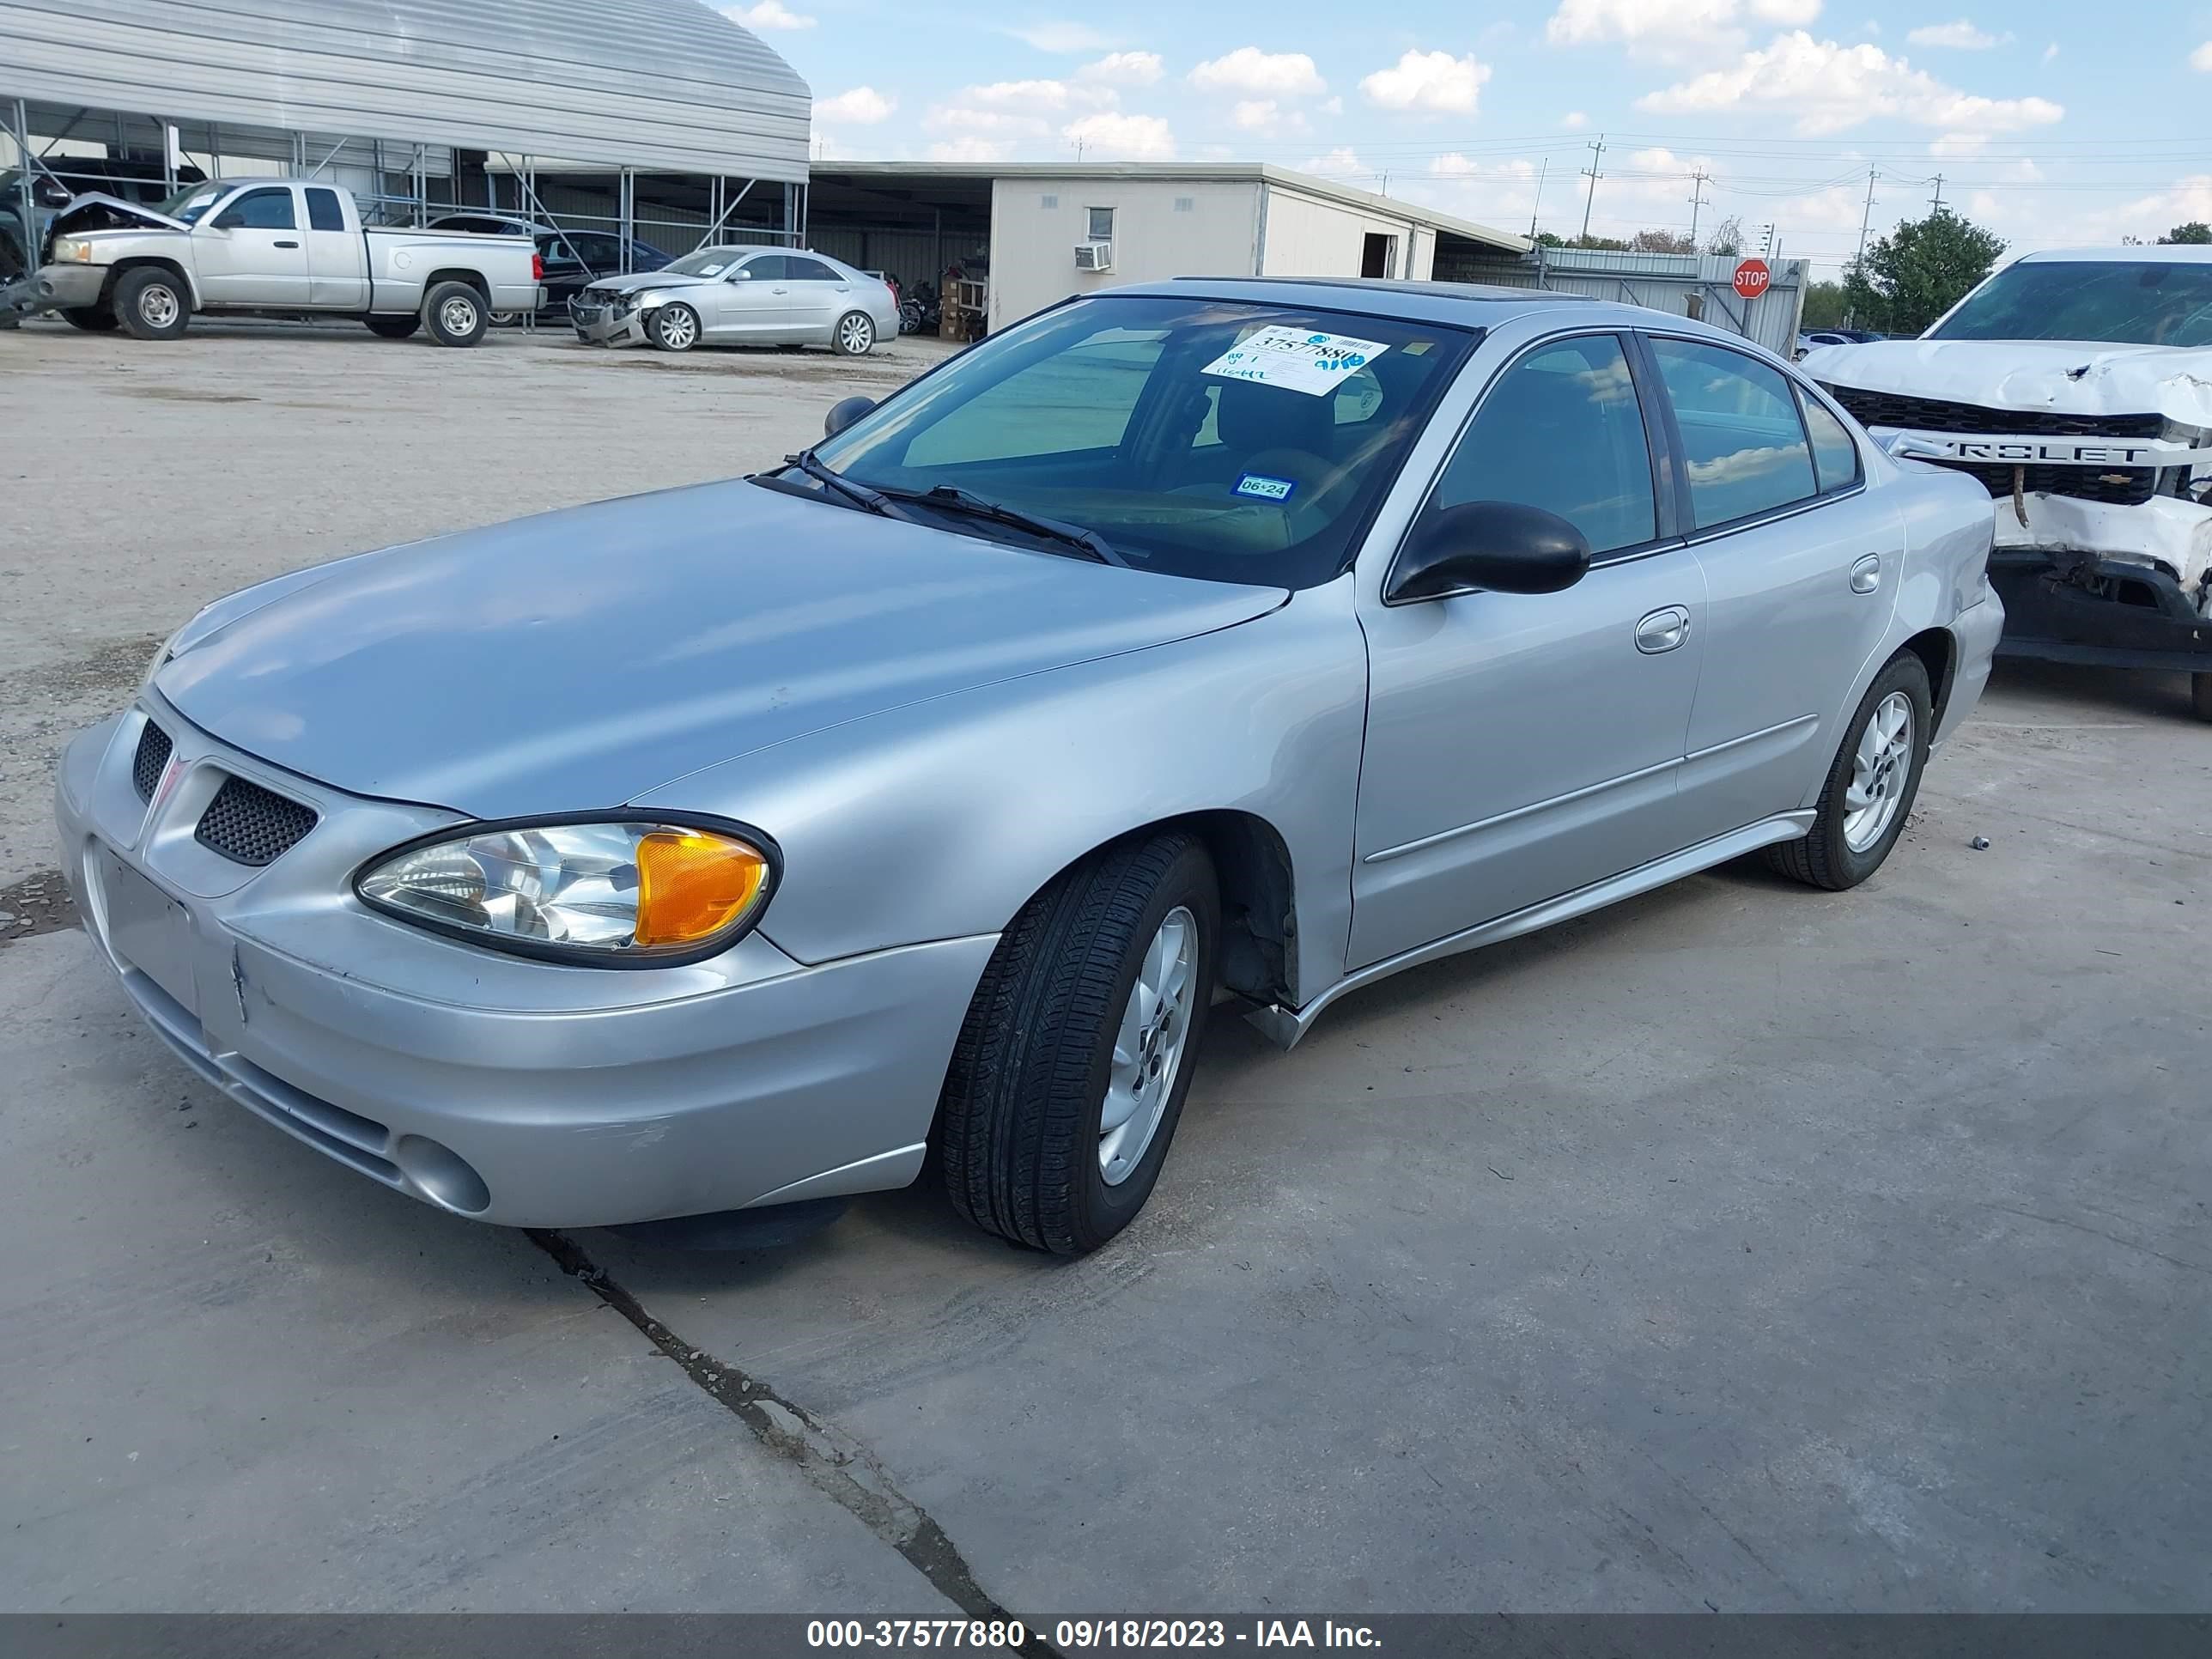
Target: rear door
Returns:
[338, 258]
[1520, 746]
[820, 295]
[253, 253]
[1801, 566]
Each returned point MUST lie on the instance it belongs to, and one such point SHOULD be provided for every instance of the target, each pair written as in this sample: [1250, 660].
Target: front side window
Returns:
[2120, 302]
[1743, 446]
[261, 210]
[1562, 430]
[1228, 440]
[769, 268]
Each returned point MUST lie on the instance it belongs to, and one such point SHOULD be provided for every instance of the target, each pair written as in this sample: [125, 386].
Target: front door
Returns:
[1801, 570]
[254, 252]
[752, 305]
[1520, 746]
[338, 258]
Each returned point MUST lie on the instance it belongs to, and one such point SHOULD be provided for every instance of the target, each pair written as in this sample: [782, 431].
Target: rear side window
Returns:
[323, 210]
[1835, 456]
[1742, 443]
[810, 270]
[1562, 430]
[262, 209]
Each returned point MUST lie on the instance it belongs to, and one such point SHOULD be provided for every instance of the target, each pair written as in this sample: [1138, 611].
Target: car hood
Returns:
[2056, 377]
[577, 660]
[638, 281]
[97, 210]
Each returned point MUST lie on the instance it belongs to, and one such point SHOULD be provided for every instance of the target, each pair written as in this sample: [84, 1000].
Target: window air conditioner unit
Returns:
[1094, 256]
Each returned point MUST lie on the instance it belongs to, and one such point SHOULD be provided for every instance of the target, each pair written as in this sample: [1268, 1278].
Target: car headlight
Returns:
[631, 891]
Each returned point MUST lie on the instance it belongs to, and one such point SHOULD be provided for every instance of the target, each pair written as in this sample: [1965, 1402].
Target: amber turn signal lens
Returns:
[691, 885]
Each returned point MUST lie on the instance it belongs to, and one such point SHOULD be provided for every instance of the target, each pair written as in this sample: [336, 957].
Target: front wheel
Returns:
[455, 315]
[674, 328]
[1069, 1075]
[1871, 783]
[855, 335]
[92, 319]
[151, 304]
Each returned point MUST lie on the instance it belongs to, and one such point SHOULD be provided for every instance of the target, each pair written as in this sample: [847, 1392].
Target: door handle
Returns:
[1663, 630]
[1866, 575]
[284, 245]
[779, 290]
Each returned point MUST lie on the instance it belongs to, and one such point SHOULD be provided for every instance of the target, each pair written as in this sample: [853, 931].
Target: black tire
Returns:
[1018, 1125]
[2200, 696]
[394, 328]
[673, 327]
[855, 335]
[92, 319]
[152, 304]
[1826, 858]
[455, 314]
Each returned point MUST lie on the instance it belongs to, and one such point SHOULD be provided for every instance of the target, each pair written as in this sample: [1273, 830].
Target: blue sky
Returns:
[2052, 124]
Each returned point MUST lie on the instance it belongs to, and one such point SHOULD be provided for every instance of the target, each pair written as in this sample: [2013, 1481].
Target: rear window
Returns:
[323, 210]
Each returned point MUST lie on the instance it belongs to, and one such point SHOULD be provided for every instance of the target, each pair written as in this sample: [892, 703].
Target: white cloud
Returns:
[1342, 162]
[2199, 59]
[1961, 36]
[862, 106]
[969, 148]
[1429, 80]
[1044, 95]
[1255, 115]
[1061, 37]
[1267, 74]
[1828, 88]
[1960, 143]
[1332, 106]
[767, 14]
[965, 117]
[1574, 120]
[1111, 135]
[1122, 68]
[1583, 22]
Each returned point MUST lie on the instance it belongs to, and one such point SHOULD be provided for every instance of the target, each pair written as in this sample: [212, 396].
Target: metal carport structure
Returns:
[428, 105]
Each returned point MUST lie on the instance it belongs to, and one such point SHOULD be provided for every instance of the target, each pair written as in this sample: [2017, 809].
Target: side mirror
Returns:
[843, 413]
[232, 220]
[1503, 546]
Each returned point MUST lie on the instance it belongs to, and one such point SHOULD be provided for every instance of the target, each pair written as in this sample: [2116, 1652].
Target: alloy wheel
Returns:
[1880, 765]
[1148, 1049]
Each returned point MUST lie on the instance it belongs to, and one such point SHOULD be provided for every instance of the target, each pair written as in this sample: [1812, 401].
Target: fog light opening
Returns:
[443, 1174]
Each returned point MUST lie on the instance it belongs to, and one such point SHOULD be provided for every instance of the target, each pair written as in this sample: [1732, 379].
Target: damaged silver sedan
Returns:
[739, 296]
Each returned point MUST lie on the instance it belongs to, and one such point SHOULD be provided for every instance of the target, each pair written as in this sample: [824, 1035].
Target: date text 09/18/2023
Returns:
[1073, 1635]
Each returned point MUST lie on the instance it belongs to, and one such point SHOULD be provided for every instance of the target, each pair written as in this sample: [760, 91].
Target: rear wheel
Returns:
[394, 328]
[1069, 1076]
[92, 319]
[151, 304]
[674, 328]
[455, 315]
[1871, 783]
[855, 335]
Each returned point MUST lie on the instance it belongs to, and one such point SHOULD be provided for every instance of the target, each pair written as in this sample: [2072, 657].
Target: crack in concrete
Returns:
[834, 1464]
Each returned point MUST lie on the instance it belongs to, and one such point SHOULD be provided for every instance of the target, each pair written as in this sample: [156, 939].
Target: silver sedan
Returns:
[1210, 645]
[740, 296]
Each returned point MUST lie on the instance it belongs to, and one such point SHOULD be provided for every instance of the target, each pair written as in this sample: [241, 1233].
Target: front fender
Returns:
[940, 819]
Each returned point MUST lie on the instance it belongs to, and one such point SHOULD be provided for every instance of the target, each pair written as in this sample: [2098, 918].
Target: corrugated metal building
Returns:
[449, 99]
[1700, 285]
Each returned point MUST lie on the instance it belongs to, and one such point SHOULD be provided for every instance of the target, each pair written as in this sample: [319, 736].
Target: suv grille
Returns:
[148, 764]
[1934, 415]
[249, 824]
[2117, 487]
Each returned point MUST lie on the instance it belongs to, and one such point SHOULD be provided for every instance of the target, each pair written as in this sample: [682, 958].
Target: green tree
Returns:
[2196, 231]
[1662, 241]
[1911, 276]
[1824, 306]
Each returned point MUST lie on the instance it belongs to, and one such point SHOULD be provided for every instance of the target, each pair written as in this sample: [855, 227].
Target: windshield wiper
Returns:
[954, 498]
[860, 496]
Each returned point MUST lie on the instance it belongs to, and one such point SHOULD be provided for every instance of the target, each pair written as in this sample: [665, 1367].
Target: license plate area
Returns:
[148, 930]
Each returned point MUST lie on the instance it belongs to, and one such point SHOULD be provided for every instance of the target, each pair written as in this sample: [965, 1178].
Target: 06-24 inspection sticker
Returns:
[1295, 359]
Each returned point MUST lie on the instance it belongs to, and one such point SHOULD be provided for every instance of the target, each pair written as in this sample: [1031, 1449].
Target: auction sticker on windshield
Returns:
[1295, 359]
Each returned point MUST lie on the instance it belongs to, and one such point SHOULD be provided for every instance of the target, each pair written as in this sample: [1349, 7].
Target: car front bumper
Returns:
[509, 1091]
[607, 326]
[70, 287]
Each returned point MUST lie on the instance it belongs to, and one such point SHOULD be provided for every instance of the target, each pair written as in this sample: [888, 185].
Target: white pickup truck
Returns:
[283, 247]
[2076, 386]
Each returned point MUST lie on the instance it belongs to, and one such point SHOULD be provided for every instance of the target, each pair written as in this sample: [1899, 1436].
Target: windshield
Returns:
[190, 204]
[2138, 302]
[704, 262]
[1231, 441]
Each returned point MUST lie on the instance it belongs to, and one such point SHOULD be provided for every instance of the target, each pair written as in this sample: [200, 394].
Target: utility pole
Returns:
[1590, 173]
[1937, 204]
[1545, 168]
[1697, 201]
[1865, 218]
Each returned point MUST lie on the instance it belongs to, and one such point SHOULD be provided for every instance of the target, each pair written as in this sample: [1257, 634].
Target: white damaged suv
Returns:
[2076, 386]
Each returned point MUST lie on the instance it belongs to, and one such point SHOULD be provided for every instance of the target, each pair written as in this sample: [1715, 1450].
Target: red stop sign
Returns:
[1752, 278]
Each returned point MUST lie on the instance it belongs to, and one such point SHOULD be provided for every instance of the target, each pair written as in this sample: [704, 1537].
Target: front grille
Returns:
[2115, 486]
[148, 764]
[1935, 414]
[249, 824]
